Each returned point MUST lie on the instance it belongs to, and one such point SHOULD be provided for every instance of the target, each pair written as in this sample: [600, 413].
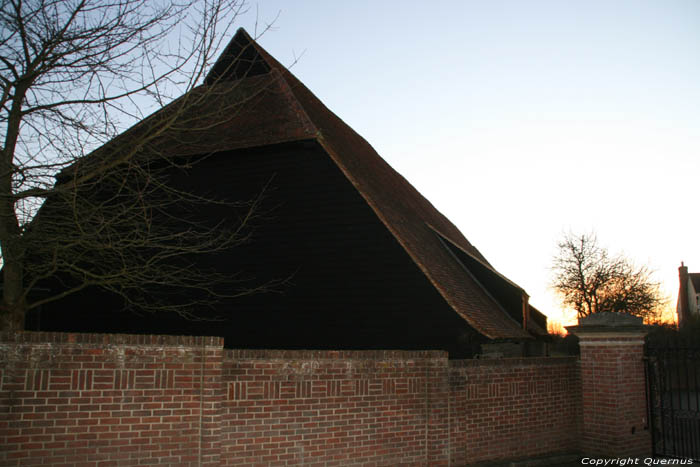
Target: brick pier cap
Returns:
[599, 324]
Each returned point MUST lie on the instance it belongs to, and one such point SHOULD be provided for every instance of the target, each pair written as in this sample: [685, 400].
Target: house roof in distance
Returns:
[695, 279]
[272, 106]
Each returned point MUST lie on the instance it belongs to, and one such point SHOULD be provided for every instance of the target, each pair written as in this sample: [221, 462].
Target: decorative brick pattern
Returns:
[70, 399]
[326, 407]
[124, 379]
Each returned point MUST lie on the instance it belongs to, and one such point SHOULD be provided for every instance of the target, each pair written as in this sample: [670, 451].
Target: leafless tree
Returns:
[590, 280]
[73, 75]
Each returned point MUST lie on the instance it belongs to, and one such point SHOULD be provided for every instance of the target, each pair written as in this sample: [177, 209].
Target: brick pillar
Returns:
[438, 416]
[211, 394]
[683, 308]
[613, 385]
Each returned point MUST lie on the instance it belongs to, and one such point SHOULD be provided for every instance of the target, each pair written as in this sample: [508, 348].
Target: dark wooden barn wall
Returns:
[351, 285]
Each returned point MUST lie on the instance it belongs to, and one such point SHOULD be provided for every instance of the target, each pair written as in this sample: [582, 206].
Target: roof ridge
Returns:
[307, 123]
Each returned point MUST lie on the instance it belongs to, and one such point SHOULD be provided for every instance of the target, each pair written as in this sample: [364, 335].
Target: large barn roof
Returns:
[262, 103]
[412, 219]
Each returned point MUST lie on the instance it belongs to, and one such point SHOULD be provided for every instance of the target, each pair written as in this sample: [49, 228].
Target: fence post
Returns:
[613, 385]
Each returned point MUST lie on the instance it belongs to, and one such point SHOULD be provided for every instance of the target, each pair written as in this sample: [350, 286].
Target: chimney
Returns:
[526, 310]
[682, 306]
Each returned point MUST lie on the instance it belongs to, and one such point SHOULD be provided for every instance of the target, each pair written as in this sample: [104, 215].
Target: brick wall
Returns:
[515, 407]
[86, 399]
[70, 399]
[328, 408]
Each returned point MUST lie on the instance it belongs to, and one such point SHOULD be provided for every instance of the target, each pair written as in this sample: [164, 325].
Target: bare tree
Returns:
[73, 75]
[590, 280]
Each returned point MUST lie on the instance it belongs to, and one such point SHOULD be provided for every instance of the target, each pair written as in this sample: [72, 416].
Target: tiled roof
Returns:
[272, 106]
[406, 213]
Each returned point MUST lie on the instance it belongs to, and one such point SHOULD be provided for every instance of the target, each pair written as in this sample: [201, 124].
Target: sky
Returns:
[520, 120]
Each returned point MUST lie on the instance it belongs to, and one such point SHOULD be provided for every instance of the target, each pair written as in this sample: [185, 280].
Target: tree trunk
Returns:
[14, 307]
[13, 304]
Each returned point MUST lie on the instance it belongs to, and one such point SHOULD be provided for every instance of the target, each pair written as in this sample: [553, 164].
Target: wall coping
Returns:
[519, 361]
[31, 337]
[611, 339]
[74, 338]
[273, 354]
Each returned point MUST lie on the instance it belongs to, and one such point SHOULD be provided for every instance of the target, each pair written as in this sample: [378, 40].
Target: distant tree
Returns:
[590, 280]
[73, 75]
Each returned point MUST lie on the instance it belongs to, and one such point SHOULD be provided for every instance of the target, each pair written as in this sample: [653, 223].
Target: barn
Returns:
[360, 259]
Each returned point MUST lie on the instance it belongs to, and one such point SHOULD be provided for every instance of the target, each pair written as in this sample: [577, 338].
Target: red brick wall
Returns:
[513, 407]
[70, 399]
[328, 407]
[85, 399]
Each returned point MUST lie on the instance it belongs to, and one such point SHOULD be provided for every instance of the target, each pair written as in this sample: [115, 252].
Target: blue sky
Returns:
[520, 120]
